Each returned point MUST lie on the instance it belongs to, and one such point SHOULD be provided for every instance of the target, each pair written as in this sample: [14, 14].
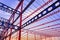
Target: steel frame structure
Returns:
[44, 10]
[13, 11]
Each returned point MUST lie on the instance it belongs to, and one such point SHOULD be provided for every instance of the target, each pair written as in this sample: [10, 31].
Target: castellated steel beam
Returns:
[8, 9]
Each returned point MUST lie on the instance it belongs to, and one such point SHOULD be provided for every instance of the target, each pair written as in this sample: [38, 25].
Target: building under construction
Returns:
[29, 19]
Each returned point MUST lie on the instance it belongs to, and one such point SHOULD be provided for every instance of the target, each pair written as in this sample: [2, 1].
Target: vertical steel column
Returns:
[27, 35]
[6, 34]
[40, 37]
[19, 37]
[34, 36]
[10, 34]
[45, 37]
[50, 38]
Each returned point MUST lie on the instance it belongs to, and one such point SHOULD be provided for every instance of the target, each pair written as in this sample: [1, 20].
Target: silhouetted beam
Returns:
[25, 9]
[41, 14]
[8, 9]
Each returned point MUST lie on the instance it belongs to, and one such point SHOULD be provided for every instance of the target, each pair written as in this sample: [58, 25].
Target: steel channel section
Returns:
[53, 6]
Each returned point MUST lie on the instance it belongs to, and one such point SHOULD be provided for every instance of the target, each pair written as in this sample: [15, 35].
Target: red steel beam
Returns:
[19, 37]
